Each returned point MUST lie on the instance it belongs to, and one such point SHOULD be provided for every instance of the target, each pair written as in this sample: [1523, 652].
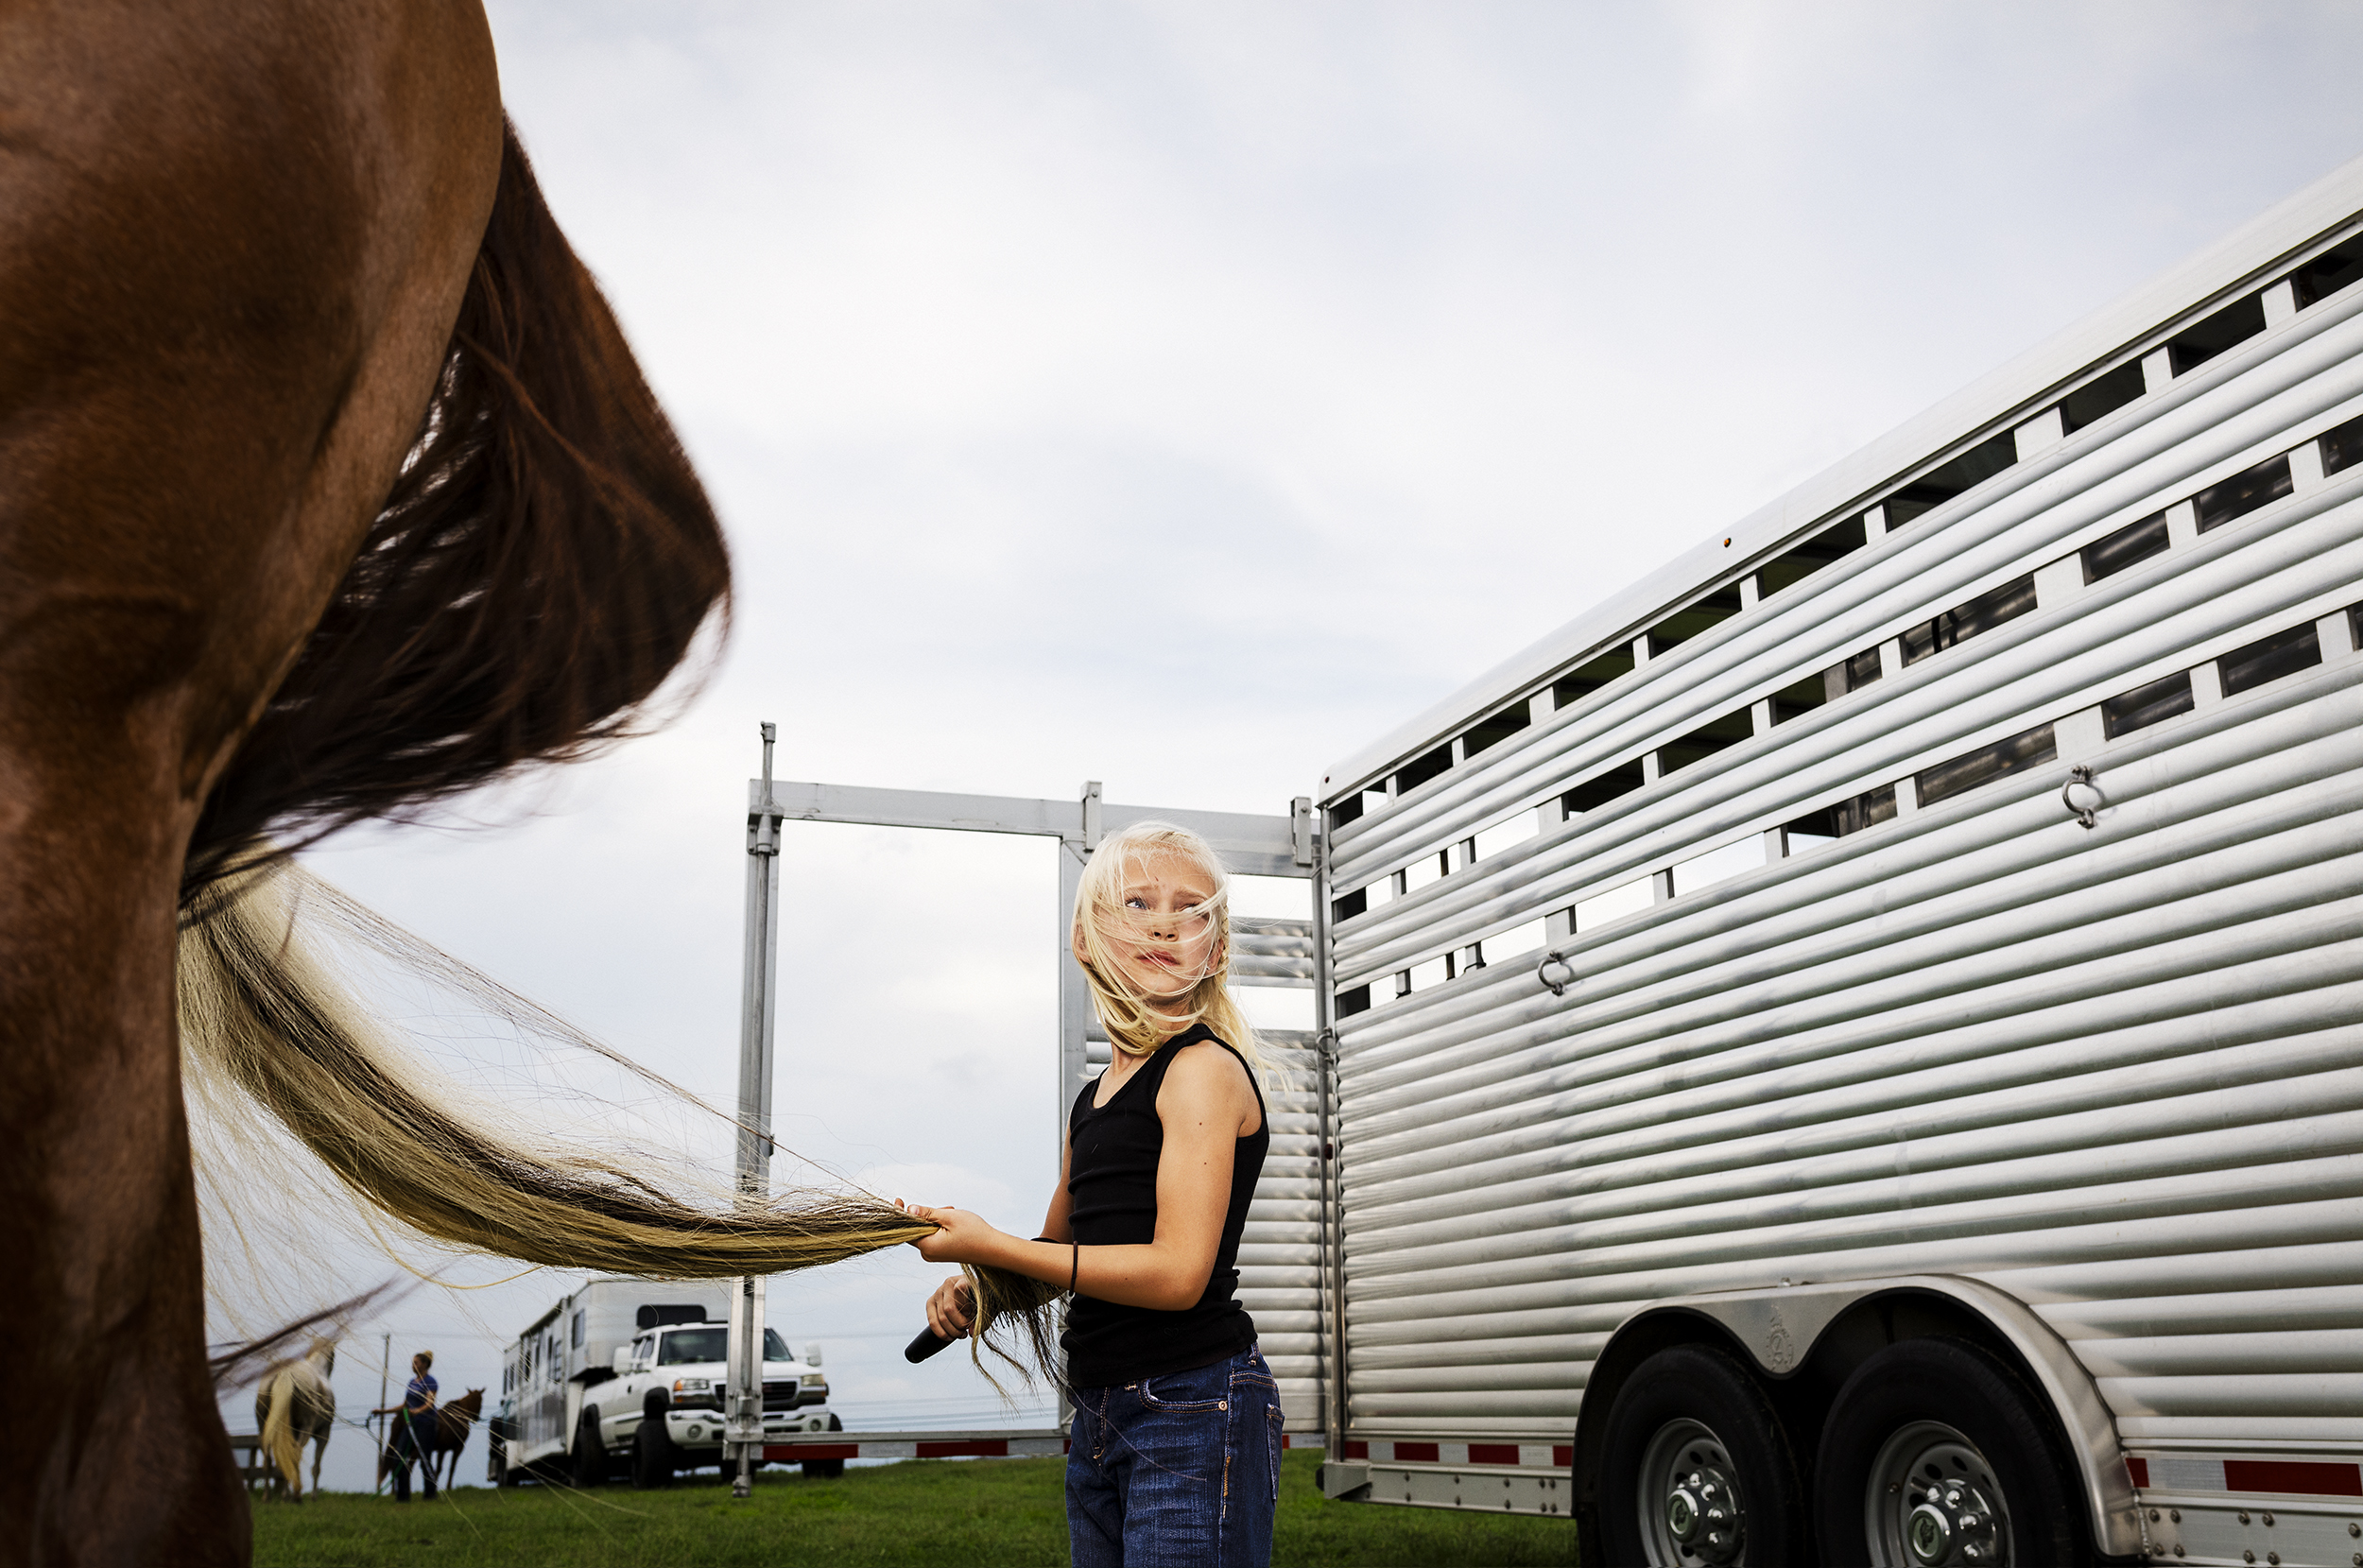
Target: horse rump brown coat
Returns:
[328, 487]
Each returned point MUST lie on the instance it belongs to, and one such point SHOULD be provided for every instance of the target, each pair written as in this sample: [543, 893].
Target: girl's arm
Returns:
[1206, 1105]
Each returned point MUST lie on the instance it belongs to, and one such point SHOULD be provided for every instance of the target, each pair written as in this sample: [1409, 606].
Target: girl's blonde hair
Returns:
[1137, 1023]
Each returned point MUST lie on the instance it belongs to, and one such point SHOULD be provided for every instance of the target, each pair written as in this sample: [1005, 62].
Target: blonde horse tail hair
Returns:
[258, 1007]
[279, 1434]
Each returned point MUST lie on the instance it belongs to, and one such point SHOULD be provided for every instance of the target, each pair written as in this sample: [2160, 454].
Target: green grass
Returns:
[980, 1514]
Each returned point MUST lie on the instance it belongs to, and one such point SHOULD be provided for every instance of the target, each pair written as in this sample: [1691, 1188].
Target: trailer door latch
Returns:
[2080, 794]
[1559, 982]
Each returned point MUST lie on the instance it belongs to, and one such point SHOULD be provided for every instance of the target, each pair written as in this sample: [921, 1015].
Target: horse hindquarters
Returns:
[232, 237]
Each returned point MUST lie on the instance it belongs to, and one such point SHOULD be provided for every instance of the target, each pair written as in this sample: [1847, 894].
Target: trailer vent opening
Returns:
[1597, 790]
[2197, 344]
[1841, 817]
[1957, 776]
[1615, 905]
[2343, 446]
[1835, 542]
[1796, 700]
[2101, 396]
[2327, 274]
[1941, 484]
[1418, 772]
[1350, 1002]
[2269, 659]
[1493, 730]
[2129, 547]
[1583, 681]
[2147, 705]
[1705, 741]
[1966, 620]
[2241, 494]
[1688, 622]
[1355, 903]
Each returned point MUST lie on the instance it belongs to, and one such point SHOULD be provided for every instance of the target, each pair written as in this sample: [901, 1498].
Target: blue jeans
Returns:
[1177, 1471]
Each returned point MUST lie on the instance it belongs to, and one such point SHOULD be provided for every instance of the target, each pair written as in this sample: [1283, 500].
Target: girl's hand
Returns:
[952, 1308]
[961, 1236]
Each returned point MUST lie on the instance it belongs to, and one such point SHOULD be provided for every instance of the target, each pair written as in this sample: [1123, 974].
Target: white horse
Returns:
[294, 1406]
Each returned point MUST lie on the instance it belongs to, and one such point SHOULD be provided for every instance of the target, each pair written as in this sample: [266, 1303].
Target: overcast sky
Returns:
[1183, 395]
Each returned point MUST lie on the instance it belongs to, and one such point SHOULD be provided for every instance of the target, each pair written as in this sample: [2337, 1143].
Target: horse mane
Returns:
[544, 558]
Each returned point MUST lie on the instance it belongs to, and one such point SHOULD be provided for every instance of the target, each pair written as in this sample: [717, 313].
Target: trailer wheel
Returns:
[590, 1455]
[1936, 1453]
[653, 1455]
[826, 1470]
[1697, 1469]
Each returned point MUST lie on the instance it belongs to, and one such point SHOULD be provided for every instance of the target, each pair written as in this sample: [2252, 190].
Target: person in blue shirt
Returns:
[414, 1429]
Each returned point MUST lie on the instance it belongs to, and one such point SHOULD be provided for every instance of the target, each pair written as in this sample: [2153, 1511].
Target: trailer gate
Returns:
[1280, 1253]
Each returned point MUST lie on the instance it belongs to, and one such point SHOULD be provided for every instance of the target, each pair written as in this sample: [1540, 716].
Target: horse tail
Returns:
[544, 558]
[261, 1009]
[279, 1439]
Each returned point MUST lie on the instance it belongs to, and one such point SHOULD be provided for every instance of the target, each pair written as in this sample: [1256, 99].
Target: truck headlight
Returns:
[814, 1380]
[692, 1385]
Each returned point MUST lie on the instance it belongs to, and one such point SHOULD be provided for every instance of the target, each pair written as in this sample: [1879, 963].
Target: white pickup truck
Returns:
[663, 1409]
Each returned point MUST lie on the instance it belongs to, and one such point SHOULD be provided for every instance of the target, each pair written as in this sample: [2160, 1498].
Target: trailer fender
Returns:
[1780, 1329]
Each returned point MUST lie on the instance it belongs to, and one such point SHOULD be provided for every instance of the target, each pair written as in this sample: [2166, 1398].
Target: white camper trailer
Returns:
[1853, 1049]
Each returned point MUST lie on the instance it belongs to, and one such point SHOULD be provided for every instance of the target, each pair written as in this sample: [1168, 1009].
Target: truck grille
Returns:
[779, 1394]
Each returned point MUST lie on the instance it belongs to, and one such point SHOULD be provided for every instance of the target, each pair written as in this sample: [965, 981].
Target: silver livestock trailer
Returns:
[1853, 1049]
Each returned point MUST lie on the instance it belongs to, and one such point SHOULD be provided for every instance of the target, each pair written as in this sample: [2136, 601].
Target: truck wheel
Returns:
[827, 1470]
[589, 1456]
[652, 1452]
[1935, 1451]
[1697, 1469]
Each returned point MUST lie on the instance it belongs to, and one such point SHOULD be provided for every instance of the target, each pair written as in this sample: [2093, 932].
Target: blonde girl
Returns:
[1176, 1443]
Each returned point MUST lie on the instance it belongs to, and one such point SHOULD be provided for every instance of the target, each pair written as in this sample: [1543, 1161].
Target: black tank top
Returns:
[1112, 1188]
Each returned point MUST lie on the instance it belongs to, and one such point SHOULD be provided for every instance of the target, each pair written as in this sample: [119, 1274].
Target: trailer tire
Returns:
[1955, 1408]
[826, 1470]
[588, 1467]
[1692, 1436]
[652, 1453]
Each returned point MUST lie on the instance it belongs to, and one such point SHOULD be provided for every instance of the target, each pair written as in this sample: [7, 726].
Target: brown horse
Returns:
[452, 1422]
[328, 487]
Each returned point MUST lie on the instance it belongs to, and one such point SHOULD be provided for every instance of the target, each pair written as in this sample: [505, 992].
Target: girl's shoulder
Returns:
[1204, 1066]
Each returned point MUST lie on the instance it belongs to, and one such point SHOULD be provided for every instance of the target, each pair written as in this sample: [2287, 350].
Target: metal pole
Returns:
[1332, 1300]
[385, 1375]
[743, 1428]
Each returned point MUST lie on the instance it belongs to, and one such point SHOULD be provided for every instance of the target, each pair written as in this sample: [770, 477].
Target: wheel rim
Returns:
[1932, 1502]
[1691, 1509]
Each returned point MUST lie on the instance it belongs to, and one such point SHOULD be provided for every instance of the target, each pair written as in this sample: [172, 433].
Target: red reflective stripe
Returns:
[1415, 1453]
[1358, 1450]
[2138, 1469]
[814, 1451]
[2299, 1475]
[1564, 1454]
[993, 1448]
[1492, 1453]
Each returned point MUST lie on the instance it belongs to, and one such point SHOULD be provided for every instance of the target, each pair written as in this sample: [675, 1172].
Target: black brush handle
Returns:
[924, 1346]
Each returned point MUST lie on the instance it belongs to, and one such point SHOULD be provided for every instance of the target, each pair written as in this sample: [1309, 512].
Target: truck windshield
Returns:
[688, 1347]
